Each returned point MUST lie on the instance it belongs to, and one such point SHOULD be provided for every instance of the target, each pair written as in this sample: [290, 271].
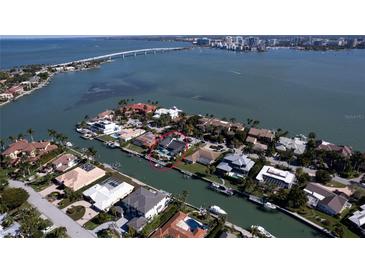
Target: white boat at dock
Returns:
[217, 210]
[269, 205]
[261, 232]
[222, 189]
[112, 144]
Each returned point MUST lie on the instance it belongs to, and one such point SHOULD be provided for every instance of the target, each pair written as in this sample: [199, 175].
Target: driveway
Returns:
[89, 212]
[57, 216]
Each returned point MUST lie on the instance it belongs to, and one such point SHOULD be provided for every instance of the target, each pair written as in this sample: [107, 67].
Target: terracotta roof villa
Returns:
[261, 134]
[64, 162]
[203, 156]
[32, 150]
[181, 226]
[345, 151]
[79, 177]
[140, 108]
[325, 200]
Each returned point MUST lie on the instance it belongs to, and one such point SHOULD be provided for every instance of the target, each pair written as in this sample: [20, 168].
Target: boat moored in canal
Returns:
[261, 232]
[217, 210]
[222, 189]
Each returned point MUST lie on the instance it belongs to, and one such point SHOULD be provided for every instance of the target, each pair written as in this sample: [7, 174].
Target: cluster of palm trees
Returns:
[57, 137]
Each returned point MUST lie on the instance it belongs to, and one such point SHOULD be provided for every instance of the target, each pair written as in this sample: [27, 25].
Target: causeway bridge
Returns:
[123, 54]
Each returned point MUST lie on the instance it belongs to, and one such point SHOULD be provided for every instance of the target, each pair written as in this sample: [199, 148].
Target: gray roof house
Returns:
[145, 203]
[296, 144]
[325, 200]
[235, 165]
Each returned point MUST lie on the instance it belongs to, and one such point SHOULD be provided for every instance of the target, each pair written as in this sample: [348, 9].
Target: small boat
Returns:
[157, 165]
[261, 232]
[217, 210]
[112, 144]
[69, 144]
[222, 189]
[269, 205]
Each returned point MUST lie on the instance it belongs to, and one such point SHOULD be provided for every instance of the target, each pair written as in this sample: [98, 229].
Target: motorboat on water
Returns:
[261, 232]
[221, 188]
[217, 210]
[269, 205]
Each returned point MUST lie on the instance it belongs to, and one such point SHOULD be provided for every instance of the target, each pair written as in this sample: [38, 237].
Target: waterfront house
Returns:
[139, 108]
[358, 219]
[235, 165]
[256, 145]
[173, 112]
[204, 156]
[105, 115]
[107, 193]
[64, 162]
[261, 134]
[80, 177]
[296, 144]
[146, 140]
[32, 151]
[325, 200]
[205, 123]
[170, 147]
[181, 226]
[15, 90]
[127, 134]
[104, 127]
[6, 96]
[344, 151]
[144, 203]
[271, 175]
[137, 223]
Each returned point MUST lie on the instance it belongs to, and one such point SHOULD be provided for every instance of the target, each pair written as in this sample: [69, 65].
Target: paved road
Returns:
[56, 215]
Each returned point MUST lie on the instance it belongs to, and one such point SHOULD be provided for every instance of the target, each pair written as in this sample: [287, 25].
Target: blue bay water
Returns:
[293, 90]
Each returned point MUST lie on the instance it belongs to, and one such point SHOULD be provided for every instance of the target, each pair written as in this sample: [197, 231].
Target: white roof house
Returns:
[358, 218]
[269, 174]
[108, 193]
[296, 144]
[173, 112]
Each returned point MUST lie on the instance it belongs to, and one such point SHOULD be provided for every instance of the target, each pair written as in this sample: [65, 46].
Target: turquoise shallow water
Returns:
[298, 91]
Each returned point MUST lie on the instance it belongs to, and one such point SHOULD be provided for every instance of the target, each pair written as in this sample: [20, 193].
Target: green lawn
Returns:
[200, 170]
[76, 212]
[98, 220]
[106, 138]
[335, 184]
[315, 216]
[49, 156]
[135, 148]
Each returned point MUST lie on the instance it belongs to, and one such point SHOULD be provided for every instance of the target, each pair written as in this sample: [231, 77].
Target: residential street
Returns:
[56, 215]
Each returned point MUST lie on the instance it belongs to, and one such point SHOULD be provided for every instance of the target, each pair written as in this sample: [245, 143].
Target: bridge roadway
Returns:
[123, 54]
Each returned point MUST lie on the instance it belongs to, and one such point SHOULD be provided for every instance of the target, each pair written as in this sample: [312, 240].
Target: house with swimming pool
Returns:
[181, 225]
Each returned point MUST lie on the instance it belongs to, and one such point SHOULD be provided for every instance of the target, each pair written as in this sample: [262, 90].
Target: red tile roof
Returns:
[140, 107]
[173, 229]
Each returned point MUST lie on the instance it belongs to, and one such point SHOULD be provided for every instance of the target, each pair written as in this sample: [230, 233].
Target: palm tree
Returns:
[91, 152]
[249, 122]
[2, 144]
[30, 132]
[51, 133]
[11, 139]
[20, 136]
